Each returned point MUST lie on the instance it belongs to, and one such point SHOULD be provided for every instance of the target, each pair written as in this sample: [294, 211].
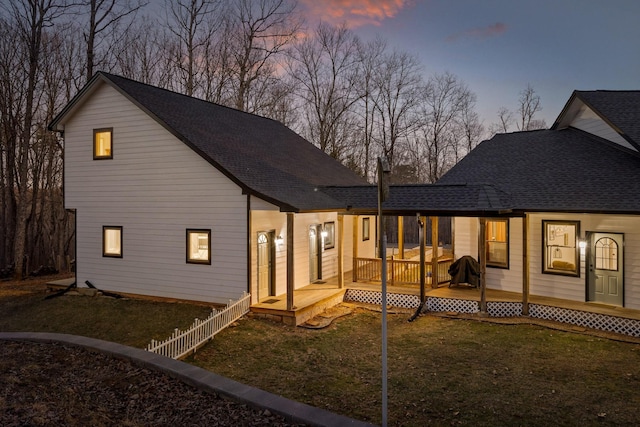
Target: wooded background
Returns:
[355, 99]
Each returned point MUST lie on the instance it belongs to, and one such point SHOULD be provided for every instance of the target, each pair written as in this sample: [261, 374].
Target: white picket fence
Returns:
[182, 342]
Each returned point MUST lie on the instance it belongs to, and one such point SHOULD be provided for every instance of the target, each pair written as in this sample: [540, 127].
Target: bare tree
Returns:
[446, 100]
[141, 55]
[398, 82]
[11, 97]
[370, 56]
[103, 17]
[529, 105]
[192, 23]
[259, 31]
[505, 120]
[31, 17]
[326, 70]
[470, 126]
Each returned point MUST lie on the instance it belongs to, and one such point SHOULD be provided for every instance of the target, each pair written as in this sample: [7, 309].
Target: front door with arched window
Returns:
[265, 265]
[606, 269]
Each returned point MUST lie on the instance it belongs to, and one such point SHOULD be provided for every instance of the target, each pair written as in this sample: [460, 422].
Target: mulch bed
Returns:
[55, 384]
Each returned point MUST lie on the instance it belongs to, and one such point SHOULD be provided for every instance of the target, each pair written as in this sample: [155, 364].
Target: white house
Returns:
[181, 198]
[571, 227]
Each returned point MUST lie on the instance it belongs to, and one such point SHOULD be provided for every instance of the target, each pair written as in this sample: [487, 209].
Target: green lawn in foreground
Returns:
[441, 371]
[126, 321]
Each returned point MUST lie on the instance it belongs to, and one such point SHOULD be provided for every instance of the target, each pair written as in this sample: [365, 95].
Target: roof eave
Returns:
[75, 102]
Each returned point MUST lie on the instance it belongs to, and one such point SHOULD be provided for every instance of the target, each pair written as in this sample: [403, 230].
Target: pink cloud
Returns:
[355, 13]
[480, 33]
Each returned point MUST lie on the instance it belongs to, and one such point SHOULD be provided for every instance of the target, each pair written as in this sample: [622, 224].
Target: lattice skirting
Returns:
[585, 319]
[375, 297]
[603, 322]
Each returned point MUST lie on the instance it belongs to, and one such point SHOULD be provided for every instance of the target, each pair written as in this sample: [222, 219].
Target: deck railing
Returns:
[180, 343]
[400, 271]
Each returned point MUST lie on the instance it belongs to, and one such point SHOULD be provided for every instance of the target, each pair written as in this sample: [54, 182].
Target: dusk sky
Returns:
[497, 47]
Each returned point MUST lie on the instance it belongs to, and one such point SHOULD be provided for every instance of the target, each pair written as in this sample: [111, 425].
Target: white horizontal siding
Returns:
[155, 187]
[509, 279]
[574, 288]
[466, 243]
[630, 226]
[588, 121]
[271, 220]
[465, 237]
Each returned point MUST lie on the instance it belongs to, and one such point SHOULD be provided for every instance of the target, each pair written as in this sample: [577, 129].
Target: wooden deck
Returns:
[313, 299]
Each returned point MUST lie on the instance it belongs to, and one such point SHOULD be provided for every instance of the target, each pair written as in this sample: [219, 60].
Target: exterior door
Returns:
[314, 254]
[606, 269]
[265, 265]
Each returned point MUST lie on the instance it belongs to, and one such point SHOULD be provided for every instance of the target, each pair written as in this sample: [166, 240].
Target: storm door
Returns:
[315, 253]
[606, 270]
[265, 265]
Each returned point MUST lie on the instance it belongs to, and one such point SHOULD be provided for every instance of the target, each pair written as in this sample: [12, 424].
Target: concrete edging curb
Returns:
[197, 377]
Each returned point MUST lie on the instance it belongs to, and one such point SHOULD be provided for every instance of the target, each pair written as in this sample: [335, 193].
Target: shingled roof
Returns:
[619, 108]
[427, 199]
[263, 156]
[555, 171]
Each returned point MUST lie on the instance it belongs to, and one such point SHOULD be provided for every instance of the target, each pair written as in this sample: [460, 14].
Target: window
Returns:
[102, 144]
[198, 246]
[497, 234]
[365, 229]
[606, 254]
[112, 241]
[329, 235]
[561, 255]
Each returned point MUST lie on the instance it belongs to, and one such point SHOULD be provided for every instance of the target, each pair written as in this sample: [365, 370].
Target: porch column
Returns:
[354, 275]
[482, 251]
[401, 237]
[290, 261]
[525, 265]
[434, 251]
[340, 251]
[422, 222]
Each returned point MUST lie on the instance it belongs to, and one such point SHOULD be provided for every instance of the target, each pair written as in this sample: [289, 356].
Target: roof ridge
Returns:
[111, 77]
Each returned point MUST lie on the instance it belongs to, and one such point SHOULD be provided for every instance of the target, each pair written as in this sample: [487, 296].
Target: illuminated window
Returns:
[365, 228]
[561, 247]
[103, 143]
[497, 233]
[112, 241]
[606, 254]
[329, 233]
[199, 246]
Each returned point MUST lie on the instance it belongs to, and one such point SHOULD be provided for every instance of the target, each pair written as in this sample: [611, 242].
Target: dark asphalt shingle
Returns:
[263, 156]
[555, 170]
[620, 108]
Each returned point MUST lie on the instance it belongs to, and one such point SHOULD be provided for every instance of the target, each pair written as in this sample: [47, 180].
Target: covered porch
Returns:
[315, 298]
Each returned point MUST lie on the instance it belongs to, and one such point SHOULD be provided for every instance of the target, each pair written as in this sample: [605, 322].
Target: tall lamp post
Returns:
[383, 193]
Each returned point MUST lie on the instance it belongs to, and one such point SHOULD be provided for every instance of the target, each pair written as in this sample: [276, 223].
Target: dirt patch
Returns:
[54, 384]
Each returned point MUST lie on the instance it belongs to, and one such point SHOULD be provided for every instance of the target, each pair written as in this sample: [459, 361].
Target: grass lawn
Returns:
[441, 371]
[132, 322]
